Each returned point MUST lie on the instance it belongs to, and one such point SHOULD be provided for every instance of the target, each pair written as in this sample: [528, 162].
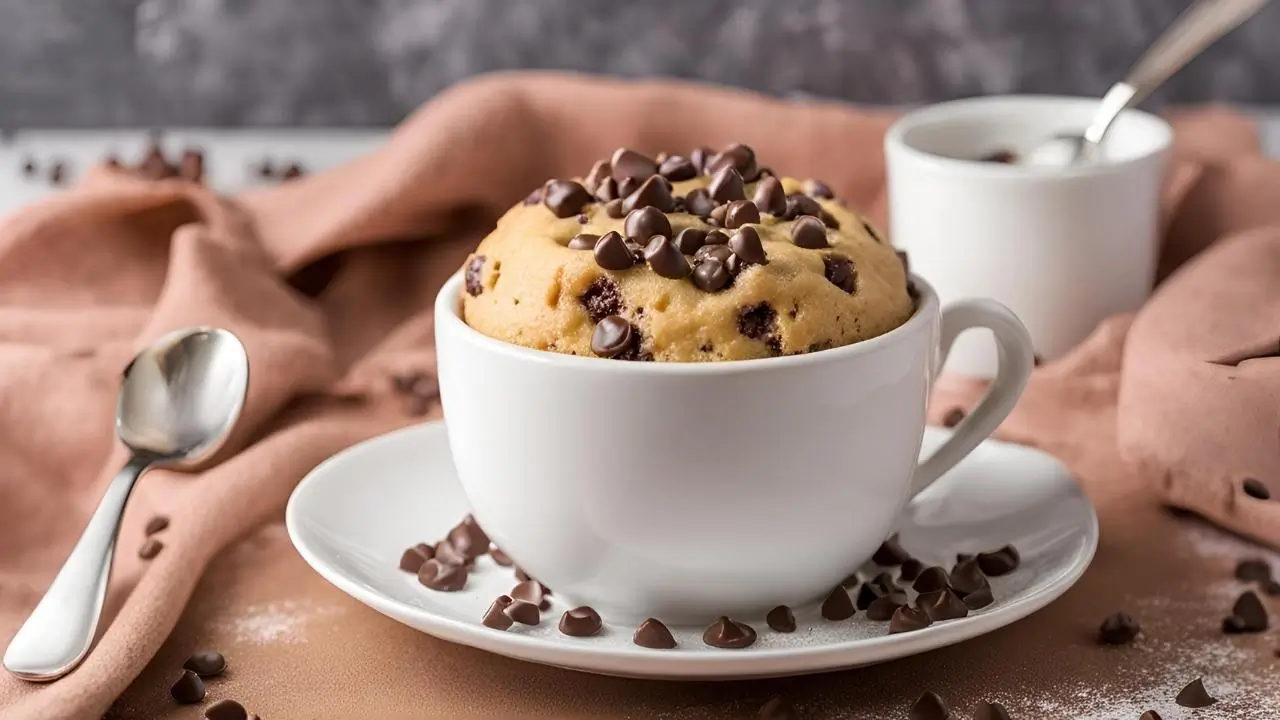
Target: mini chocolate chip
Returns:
[29, 167]
[582, 218]
[840, 271]
[1118, 629]
[737, 156]
[966, 577]
[525, 613]
[911, 569]
[931, 579]
[226, 710]
[676, 168]
[583, 241]
[629, 164]
[1194, 695]
[747, 246]
[838, 605]
[739, 213]
[612, 337]
[644, 223]
[729, 634]
[665, 259]
[999, 562]
[769, 197]
[908, 619]
[698, 156]
[150, 549]
[600, 171]
[930, 707]
[611, 252]
[442, 576]
[156, 524]
[655, 193]
[711, 275]
[564, 198]
[654, 635]
[699, 202]
[1249, 614]
[710, 251]
[882, 608]
[798, 205]
[412, 559]
[475, 266]
[818, 189]
[689, 240]
[613, 209]
[942, 605]
[494, 617]
[890, 553]
[580, 622]
[758, 321]
[953, 417]
[979, 598]
[207, 663]
[781, 619]
[531, 591]
[809, 232]
[58, 172]
[991, 711]
[829, 220]
[727, 186]
[1255, 489]
[532, 198]
[188, 689]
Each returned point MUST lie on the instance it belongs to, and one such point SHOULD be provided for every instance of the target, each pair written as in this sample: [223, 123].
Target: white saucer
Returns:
[354, 515]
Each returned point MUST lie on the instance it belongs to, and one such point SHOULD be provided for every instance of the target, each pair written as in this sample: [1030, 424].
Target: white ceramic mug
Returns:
[684, 491]
[1063, 248]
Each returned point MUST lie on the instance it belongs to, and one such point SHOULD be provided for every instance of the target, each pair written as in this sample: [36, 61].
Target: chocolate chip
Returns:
[57, 172]
[191, 166]
[629, 164]
[739, 213]
[654, 635]
[964, 557]
[1248, 615]
[607, 191]
[991, 711]
[966, 577]
[979, 598]
[720, 253]
[908, 619]
[1005, 157]
[818, 189]
[665, 259]
[522, 575]
[737, 156]
[942, 605]
[150, 549]
[781, 619]
[931, 579]
[1271, 587]
[729, 634]
[600, 172]
[769, 197]
[711, 275]
[757, 322]
[838, 605]
[293, 172]
[29, 167]
[689, 240]
[868, 594]
[564, 198]
[525, 613]
[747, 246]
[676, 168]
[775, 708]
[1150, 715]
[442, 576]
[207, 663]
[188, 689]
[612, 337]
[953, 417]
[840, 271]
[475, 266]
[930, 707]
[500, 557]
[580, 622]
[226, 710]
[911, 569]
[798, 205]
[727, 186]
[717, 215]
[531, 591]
[644, 223]
[1194, 695]
[265, 170]
[1255, 489]
[611, 252]
[613, 209]
[999, 562]
[698, 156]
[882, 608]
[468, 538]
[809, 232]
[655, 193]
[494, 617]
[829, 220]
[890, 553]
[884, 581]
[156, 524]
[1118, 629]
[583, 241]
[699, 202]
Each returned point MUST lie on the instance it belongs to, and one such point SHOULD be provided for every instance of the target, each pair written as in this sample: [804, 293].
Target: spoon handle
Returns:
[59, 632]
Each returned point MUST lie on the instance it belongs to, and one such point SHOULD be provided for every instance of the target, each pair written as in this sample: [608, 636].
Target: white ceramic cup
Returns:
[1063, 248]
[684, 491]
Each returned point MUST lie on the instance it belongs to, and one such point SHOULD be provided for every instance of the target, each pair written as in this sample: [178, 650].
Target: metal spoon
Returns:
[1195, 29]
[180, 399]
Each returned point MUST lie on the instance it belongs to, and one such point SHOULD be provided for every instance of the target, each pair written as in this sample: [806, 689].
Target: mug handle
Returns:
[1016, 359]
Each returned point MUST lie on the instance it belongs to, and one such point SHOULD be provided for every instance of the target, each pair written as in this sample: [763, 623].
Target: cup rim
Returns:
[448, 318]
[895, 140]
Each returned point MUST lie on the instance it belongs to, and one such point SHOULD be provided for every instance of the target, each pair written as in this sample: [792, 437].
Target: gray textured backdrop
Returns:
[368, 62]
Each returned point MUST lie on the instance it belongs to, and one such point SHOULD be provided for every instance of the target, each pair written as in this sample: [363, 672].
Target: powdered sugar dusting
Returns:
[276, 622]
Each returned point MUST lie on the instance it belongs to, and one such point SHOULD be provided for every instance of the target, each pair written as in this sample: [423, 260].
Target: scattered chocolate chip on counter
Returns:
[654, 635]
[908, 619]
[442, 576]
[1255, 489]
[1194, 695]
[990, 711]
[931, 579]
[930, 706]
[729, 634]
[156, 524]
[781, 619]
[890, 553]
[150, 548]
[188, 689]
[226, 710]
[1248, 615]
[953, 417]
[495, 617]
[207, 663]
[999, 562]
[838, 605]
[532, 591]
[1253, 570]
[581, 621]
[1118, 629]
